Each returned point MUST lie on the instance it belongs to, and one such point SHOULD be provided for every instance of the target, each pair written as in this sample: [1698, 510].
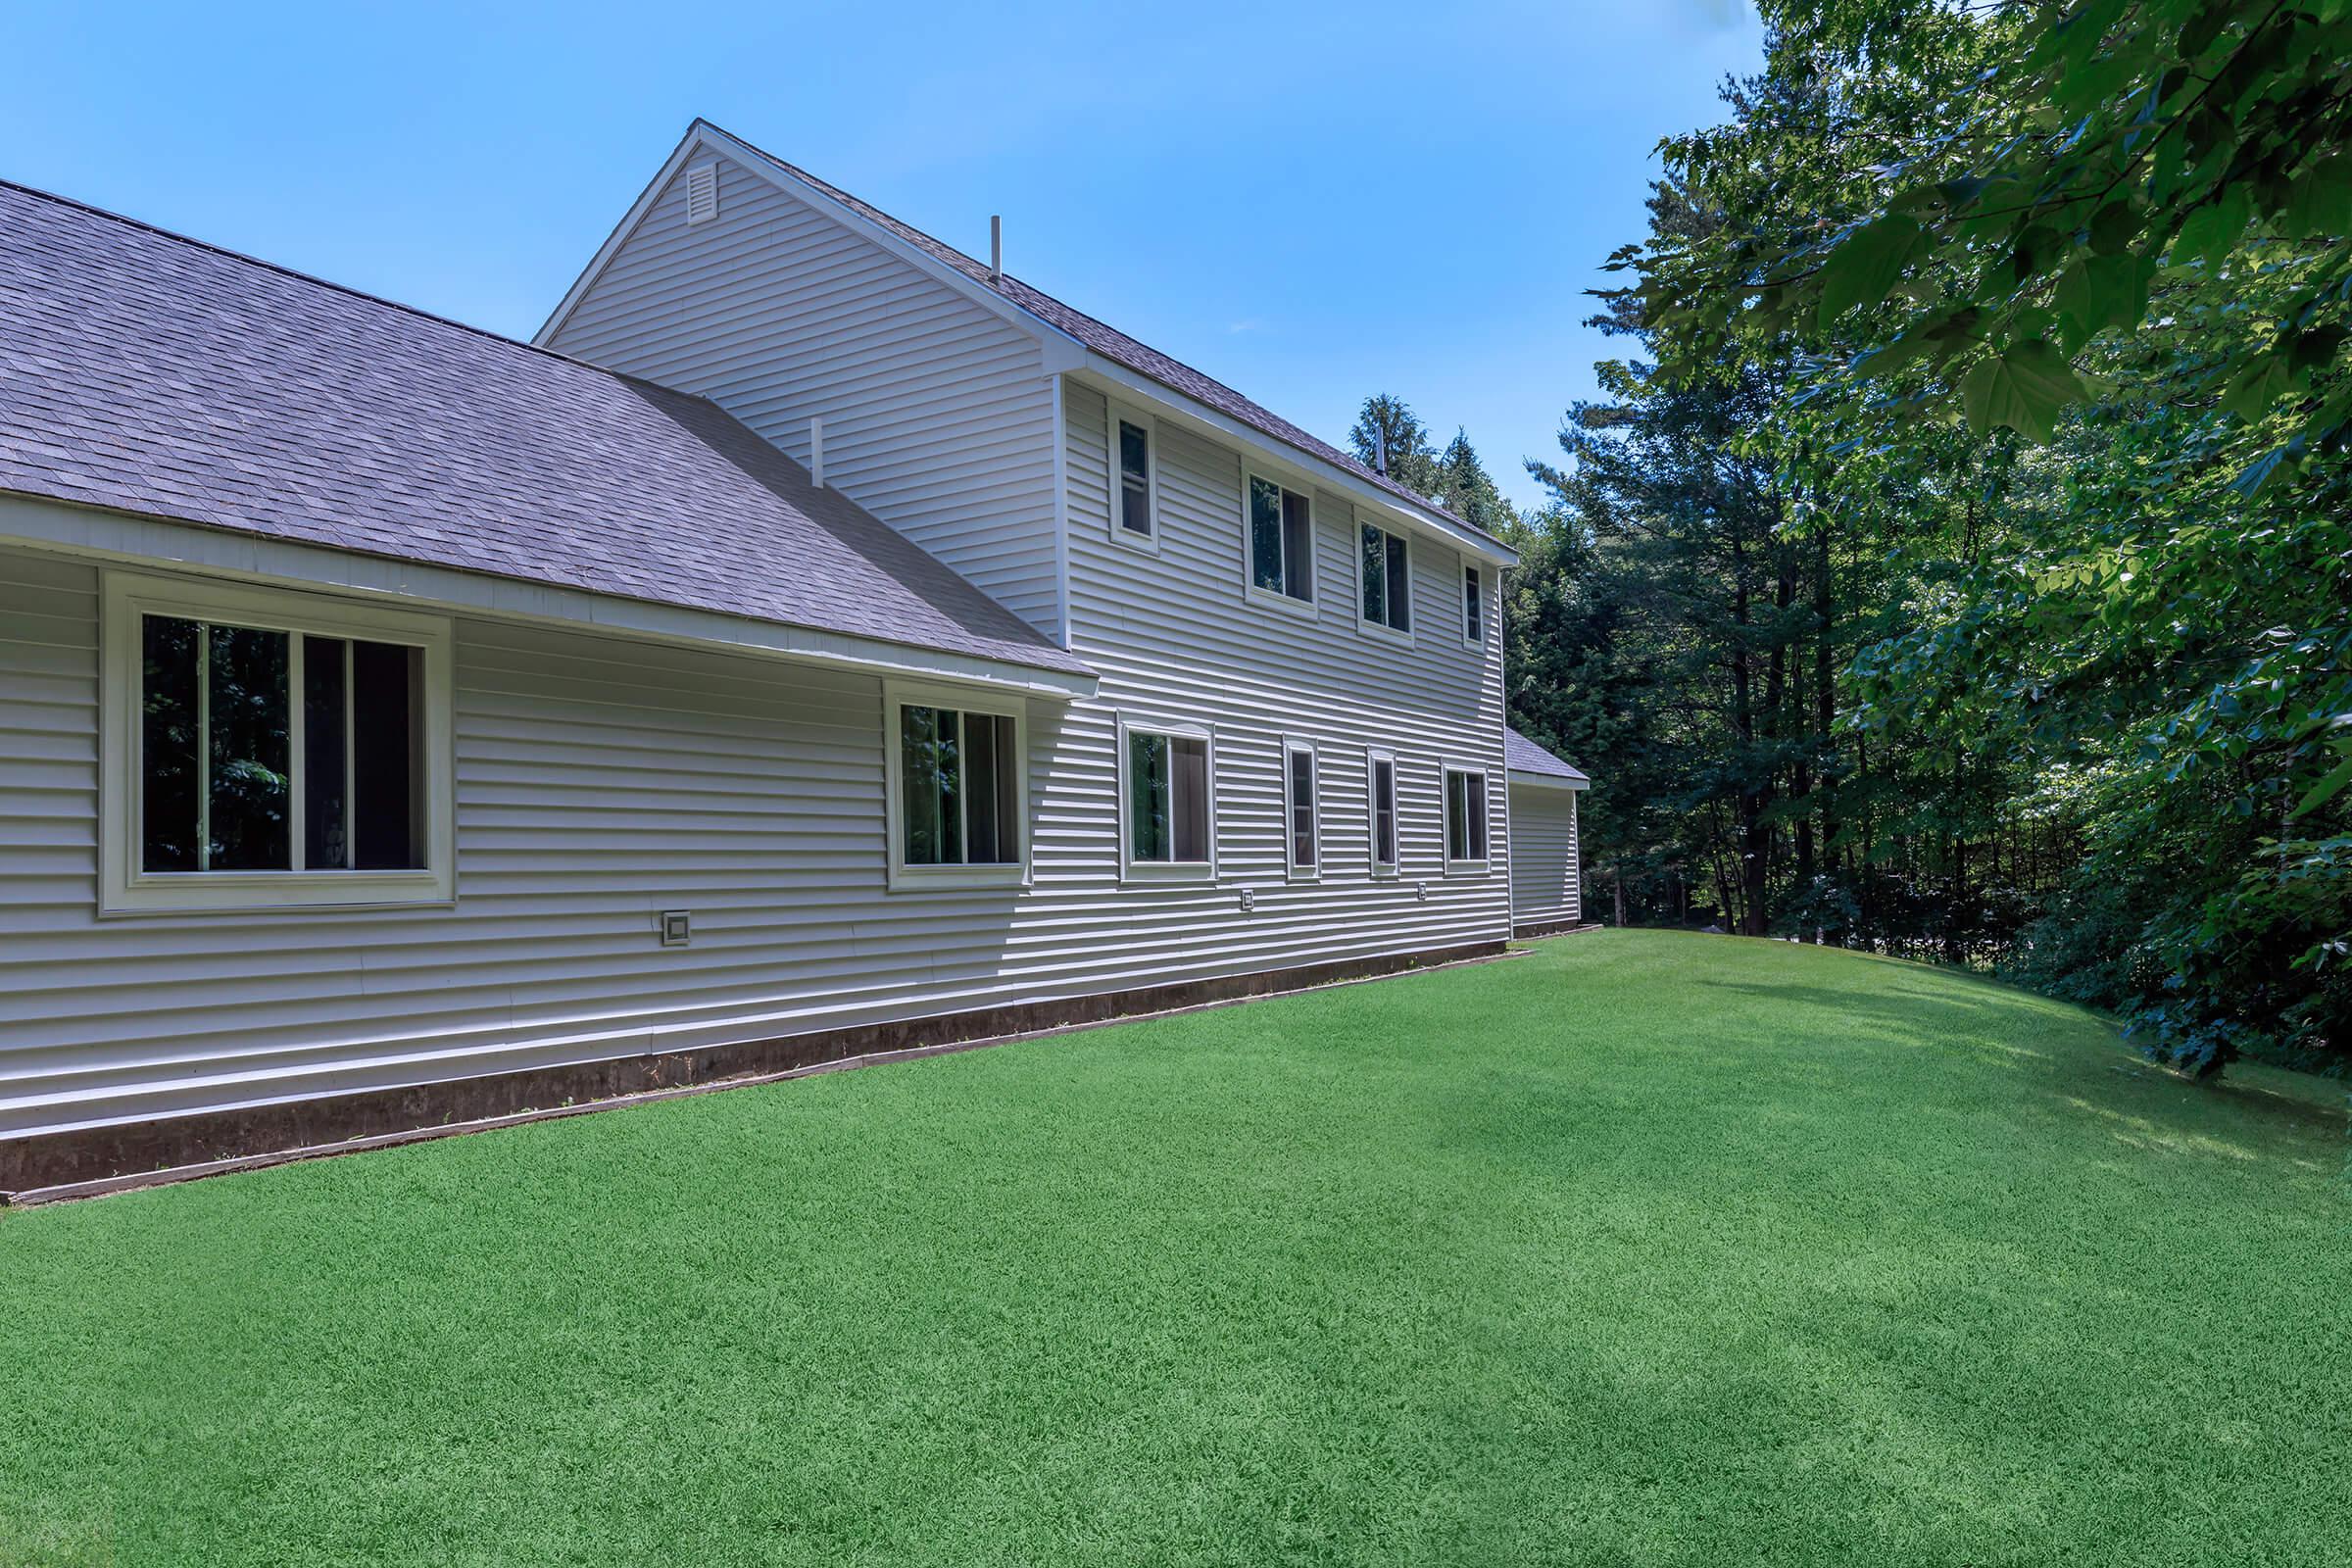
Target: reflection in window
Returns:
[1281, 540]
[958, 795]
[1167, 797]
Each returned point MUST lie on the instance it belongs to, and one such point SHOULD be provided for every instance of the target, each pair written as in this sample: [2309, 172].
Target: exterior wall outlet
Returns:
[1421, 891]
[1248, 900]
[678, 927]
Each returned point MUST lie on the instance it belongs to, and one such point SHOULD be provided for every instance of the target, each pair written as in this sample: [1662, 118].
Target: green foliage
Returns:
[2059, 299]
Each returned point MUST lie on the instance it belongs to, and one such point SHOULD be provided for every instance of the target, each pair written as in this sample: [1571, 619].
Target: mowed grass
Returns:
[1641, 1248]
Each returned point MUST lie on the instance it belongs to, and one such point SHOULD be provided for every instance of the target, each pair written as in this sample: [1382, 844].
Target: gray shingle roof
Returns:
[147, 373]
[1113, 344]
[1523, 756]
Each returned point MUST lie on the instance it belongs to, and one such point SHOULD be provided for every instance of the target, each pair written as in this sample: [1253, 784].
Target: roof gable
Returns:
[1006, 293]
[151, 374]
[1523, 756]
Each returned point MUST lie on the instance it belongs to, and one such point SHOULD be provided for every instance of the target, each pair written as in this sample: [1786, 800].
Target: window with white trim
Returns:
[1302, 821]
[1135, 500]
[957, 788]
[1387, 572]
[268, 747]
[1281, 539]
[1168, 797]
[1381, 781]
[1465, 816]
[1474, 604]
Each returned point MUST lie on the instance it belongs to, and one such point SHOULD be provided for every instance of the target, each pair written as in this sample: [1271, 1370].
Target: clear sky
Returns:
[1311, 202]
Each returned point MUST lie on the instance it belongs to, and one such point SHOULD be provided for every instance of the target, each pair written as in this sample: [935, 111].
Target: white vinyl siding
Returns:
[1547, 878]
[938, 415]
[1169, 636]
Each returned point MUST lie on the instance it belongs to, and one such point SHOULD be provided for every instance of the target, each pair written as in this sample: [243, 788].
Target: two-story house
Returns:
[817, 643]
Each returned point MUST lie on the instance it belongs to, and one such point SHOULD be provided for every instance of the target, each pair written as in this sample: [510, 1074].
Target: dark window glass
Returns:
[1383, 811]
[1298, 546]
[1400, 594]
[994, 791]
[1189, 796]
[325, 732]
[247, 722]
[1135, 478]
[959, 795]
[1474, 624]
[1265, 535]
[1376, 577]
[1303, 808]
[1465, 816]
[168, 744]
[1167, 797]
[387, 744]
[1148, 836]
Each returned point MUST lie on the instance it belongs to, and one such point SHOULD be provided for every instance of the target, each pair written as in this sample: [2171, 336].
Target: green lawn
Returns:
[1641, 1248]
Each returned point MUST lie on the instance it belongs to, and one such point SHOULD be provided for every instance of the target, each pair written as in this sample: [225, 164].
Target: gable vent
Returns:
[702, 193]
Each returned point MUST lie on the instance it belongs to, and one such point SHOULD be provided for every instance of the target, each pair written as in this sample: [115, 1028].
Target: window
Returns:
[1170, 815]
[1282, 541]
[1474, 606]
[1134, 508]
[1388, 580]
[268, 747]
[1299, 803]
[1465, 816]
[1383, 783]
[957, 788]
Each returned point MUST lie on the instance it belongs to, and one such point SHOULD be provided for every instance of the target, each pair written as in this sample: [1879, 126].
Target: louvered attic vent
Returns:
[702, 193]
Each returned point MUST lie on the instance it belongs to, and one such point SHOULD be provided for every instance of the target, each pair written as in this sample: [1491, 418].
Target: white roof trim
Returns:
[102, 535]
[1063, 352]
[1550, 781]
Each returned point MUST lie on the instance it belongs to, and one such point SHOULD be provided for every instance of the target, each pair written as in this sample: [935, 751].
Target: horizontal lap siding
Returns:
[1546, 883]
[938, 414]
[1174, 637]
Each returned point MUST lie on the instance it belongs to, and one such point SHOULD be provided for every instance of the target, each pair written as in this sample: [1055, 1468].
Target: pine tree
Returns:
[1390, 438]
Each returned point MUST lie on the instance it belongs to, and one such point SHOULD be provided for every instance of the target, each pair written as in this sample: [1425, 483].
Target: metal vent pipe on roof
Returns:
[996, 248]
[816, 451]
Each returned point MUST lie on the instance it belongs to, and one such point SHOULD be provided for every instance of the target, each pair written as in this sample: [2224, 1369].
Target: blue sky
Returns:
[1311, 202]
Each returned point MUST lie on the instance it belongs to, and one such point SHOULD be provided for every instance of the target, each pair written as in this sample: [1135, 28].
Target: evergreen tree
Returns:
[1391, 439]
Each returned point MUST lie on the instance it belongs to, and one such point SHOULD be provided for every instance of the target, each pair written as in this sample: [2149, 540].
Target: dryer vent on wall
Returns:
[702, 193]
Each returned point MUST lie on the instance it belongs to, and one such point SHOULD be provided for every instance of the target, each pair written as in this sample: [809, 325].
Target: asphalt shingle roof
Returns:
[1113, 344]
[147, 373]
[1523, 756]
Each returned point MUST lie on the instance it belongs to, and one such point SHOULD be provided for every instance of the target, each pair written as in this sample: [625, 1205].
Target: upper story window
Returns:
[1135, 502]
[1382, 780]
[1465, 817]
[957, 788]
[1168, 798]
[1299, 804]
[1388, 597]
[267, 747]
[1282, 540]
[1474, 606]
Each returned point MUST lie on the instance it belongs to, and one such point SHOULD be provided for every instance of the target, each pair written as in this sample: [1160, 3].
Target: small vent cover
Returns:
[702, 193]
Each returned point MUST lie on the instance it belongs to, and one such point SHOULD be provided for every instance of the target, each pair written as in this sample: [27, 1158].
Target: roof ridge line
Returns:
[296, 273]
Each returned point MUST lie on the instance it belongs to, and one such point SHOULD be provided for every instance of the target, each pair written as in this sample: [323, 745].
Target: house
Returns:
[1546, 870]
[815, 642]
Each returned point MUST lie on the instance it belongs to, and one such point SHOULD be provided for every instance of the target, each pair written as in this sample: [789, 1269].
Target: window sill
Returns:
[1146, 542]
[271, 892]
[1374, 628]
[949, 878]
[1305, 608]
[1467, 868]
[1387, 872]
[1304, 873]
[1171, 871]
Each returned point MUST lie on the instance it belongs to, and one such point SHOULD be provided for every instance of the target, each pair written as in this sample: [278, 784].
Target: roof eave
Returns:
[106, 535]
[1548, 781]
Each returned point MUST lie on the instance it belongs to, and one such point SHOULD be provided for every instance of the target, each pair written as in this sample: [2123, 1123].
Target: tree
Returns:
[1390, 438]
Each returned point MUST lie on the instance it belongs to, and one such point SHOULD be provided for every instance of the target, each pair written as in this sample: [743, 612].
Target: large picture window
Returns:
[958, 797]
[1465, 816]
[1388, 579]
[269, 748]
[1169, 803]
[1282, 540]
